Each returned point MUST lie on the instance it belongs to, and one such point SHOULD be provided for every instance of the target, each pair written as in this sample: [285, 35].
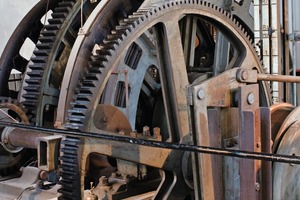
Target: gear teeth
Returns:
[44, 46]
[39, 59]
[30, 96]
[66, 3]
[14, 105]
[95, 70]
[41, 55]
[117, 34]
[69, 171]
[87, 90]
[41, 52]
[49, 39]
[63, 9]
[101, 57]
[53, 27]
[78, 111]
[55, 21]
[47, 33]
[34, 81]
[59, 15]
[73, 126]
[122, 28]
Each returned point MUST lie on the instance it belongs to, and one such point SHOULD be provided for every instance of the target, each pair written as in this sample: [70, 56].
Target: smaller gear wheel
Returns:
[14, 109]
[9, 161]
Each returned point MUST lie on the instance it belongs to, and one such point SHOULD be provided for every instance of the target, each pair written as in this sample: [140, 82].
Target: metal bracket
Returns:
[48, 152]
[215, 92]
[220, 92]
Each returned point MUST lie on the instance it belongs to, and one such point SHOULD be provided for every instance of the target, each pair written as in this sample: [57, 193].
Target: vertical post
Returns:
[266, 147]
[286, 58]
[249, 140]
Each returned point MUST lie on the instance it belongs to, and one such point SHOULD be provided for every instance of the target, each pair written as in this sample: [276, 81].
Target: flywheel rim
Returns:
[285, 175]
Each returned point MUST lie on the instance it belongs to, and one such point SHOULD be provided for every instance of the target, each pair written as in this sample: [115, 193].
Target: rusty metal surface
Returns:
[286, 176]
[217, 92]
[44, 73]
[13, 108]
[214, 138]
[100, 21]
[266, 147]
[252, 76]
[249, 140]
[291, 119]
[164, 145]
[172, 72]
[279, 113]
[23, 138]
[110, 118]
[48, 152]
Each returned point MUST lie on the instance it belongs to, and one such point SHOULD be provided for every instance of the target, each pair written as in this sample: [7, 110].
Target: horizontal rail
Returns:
[105, 135]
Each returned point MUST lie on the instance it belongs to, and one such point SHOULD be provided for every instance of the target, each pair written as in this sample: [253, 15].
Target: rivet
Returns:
[292, 164]
[258, 144]
[156, 133]
[133, 134]
[122, 132]
[257, 186]
[201, 94]
[146, 131]
[250, 98]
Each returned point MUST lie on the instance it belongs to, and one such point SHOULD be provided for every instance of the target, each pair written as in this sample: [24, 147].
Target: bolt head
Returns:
[245, 75]
[251, 98]
[257, 186]
[258, 144]
[201, 94]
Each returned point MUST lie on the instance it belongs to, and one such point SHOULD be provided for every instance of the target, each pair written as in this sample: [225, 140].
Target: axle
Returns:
[34, 135]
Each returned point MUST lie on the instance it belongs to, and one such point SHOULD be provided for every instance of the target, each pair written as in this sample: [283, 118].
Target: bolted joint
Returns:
[242, 75]
[246, 76]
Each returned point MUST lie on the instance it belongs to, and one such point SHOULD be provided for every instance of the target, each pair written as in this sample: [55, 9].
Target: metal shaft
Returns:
[24, 138]
[175, 146]
[279, 78]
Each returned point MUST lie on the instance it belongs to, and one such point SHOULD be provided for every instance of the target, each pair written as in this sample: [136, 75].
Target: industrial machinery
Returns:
[143, 99]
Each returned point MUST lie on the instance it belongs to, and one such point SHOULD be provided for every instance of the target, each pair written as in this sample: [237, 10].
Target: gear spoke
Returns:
[174, 78]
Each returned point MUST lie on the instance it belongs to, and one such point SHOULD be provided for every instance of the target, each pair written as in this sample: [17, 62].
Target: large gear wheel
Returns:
[110, 53]
[103, 19]
[45, 71]
[146, 55]
[29, 28]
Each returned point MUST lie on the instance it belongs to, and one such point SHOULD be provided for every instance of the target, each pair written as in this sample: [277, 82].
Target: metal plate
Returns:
[286, 176]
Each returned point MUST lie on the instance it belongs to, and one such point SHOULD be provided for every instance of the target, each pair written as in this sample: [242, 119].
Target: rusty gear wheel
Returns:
[14, 109]
[116, 74]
